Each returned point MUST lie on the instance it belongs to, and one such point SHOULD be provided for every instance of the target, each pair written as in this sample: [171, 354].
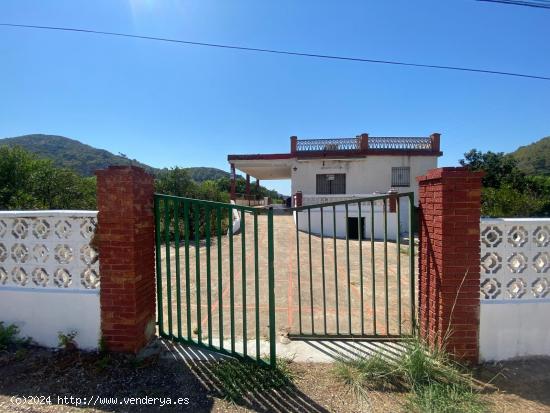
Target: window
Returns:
[401, 176]
[328, 184]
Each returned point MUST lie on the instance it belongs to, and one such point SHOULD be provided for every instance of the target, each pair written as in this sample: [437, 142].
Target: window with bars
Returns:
[328, 184]
[401, 176]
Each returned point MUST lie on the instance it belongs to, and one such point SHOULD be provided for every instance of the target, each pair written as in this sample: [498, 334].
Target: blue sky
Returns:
[166, 104]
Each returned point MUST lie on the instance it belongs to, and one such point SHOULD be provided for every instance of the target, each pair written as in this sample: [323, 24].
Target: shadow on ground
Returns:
[351, 349]
[527, 378]
[91, 378]
[287, 398]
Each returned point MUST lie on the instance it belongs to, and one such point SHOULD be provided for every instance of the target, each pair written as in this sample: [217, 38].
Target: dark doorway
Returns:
[353, 230]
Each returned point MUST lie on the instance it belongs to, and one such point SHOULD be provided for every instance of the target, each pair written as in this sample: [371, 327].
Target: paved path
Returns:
[312, 310]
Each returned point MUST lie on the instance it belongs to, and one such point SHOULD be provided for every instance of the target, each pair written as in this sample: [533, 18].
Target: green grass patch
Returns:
[445, 398]
[238, 379]
[434, 382]
[372, 372]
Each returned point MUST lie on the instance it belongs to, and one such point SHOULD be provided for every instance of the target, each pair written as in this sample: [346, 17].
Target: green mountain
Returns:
[85, 159]
[534, 159]
[203, 173]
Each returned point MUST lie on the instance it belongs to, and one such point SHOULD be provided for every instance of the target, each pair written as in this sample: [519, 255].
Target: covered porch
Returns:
[259, 168]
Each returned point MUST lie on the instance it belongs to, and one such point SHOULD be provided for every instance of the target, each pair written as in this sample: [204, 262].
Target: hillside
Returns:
[534, 159]
[69, 153]
[85, 159]
[202, 173]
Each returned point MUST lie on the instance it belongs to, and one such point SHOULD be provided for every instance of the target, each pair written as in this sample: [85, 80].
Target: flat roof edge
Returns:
[333, 154]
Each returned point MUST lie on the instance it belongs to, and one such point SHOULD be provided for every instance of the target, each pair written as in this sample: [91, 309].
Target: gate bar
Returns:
[168, 264]
[187, 226]
[323, 272]
[231, 280]
[372, 264]
[298, 269]
[310, 271]
[220, 281]
[243, 278]
[335, 269]
[178, 280]
[411, 262]
[348, 270]
[271, 286]
[208, 275]
[196, 212]
[398, 242]
[360, 234]
[159, 266]
[256, 286]
[386, 287]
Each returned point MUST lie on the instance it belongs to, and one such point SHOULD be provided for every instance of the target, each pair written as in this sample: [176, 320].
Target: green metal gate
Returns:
[372, 267]
[201, 267]
[216, 280]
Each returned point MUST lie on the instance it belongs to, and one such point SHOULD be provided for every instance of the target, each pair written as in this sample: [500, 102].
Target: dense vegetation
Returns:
[534, 159]
[201, 173]
[85, 159]
[54, 172]
[27, 182]
[508, 191]
[30, 182]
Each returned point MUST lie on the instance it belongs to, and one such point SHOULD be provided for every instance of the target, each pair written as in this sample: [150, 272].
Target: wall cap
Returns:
[48, 213]
[112, 168]
[450, 172]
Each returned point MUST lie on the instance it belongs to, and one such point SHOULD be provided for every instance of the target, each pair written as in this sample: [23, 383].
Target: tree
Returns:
[27, 182]
[498, 167]
[507, 191]
[176, 181]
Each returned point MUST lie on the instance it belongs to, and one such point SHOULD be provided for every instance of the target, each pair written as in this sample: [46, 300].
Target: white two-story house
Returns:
[327, 170]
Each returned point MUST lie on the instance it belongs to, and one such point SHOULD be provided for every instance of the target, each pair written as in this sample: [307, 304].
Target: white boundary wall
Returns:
[515, 288]
[49, 275]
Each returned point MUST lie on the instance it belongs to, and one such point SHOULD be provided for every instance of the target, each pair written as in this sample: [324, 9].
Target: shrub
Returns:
[9, 337]
[434, 381]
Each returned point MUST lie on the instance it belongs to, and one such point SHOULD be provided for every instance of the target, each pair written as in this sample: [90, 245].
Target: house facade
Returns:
[329, 170]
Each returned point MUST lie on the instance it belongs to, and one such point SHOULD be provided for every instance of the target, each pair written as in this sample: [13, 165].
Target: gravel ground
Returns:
[522, 385]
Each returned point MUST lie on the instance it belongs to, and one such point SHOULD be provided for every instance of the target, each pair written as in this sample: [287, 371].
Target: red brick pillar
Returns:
[298, 199]
[364, 142]
[449, 276]
[293, 144]
[392, 200]
[126, 243]
[435, 139]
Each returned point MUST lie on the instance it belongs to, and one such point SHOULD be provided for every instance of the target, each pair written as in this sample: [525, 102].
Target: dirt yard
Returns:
[524, 386]
[325, 296]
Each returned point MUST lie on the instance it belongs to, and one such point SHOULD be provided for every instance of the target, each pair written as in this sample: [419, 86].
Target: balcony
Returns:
[365, 144]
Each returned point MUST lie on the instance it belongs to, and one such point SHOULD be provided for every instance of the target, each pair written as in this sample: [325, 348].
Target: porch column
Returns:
[257, 185]
[247, 185]
[232, 192]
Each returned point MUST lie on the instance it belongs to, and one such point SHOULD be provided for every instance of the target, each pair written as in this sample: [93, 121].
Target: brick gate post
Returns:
[449, 261]
[125, 239]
